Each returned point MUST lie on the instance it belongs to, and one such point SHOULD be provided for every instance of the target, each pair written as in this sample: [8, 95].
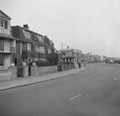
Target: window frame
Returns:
[1, 59]
[6, 24]
[3, 23]
[1, 44]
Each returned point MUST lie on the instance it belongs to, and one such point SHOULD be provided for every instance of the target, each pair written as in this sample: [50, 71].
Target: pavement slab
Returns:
[36, 79]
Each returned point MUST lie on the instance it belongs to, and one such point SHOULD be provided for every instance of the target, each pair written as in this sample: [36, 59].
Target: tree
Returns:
[53, 58]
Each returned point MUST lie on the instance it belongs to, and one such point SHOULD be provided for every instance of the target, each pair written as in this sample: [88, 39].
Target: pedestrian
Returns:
[79, 64]
[84, 63]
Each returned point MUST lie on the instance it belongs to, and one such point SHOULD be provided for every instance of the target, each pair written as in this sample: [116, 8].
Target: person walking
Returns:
[79, 64]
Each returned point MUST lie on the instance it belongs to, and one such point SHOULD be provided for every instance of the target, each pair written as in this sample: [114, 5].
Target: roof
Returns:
[31, 31]
[66, 50]
[6, 16]
[17, 31]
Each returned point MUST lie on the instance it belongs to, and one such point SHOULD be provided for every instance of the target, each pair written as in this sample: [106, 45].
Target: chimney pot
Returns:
[25, 26]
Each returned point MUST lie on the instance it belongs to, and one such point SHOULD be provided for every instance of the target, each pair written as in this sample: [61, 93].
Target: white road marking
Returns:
[74, 97]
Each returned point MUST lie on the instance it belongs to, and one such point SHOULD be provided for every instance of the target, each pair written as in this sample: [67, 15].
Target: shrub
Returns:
[53, 58]
[42, 63]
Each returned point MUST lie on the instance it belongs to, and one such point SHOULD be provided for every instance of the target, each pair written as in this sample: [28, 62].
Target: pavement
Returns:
[4, 85]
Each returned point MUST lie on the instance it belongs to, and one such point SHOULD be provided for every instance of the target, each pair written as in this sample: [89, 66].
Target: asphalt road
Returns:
[93, 92]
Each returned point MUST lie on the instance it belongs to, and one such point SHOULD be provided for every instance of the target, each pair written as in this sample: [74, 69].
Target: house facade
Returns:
[91, 58]
[70, 56]
[31, 46]
[7, 42]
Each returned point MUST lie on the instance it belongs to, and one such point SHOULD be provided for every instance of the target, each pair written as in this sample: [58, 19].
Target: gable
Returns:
[2, 14]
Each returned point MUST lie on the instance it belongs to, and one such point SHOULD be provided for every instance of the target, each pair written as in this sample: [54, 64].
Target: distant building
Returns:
[91, 58]
[7, 42]
[70, 56]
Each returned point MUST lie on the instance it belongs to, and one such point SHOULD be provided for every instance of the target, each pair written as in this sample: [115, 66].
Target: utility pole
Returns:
[62, 45]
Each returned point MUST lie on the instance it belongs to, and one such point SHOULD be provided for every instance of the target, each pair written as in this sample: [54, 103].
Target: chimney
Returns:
[26, 26]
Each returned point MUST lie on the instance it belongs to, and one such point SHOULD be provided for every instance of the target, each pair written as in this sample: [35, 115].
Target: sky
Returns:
[88, 25]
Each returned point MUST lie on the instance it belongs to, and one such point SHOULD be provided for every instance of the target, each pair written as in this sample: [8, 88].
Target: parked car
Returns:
[108, 61]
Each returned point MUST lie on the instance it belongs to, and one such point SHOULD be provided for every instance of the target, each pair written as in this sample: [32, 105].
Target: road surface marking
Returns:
[74, 97]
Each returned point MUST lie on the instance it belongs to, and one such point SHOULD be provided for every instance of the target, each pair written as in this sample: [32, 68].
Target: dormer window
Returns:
[4, 24]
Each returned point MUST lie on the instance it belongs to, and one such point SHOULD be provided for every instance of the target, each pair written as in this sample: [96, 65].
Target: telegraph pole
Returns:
[62, 45]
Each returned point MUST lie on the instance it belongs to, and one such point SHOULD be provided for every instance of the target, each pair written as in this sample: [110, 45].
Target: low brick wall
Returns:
[22, 71]
[63, 67]
[8, 74]
[14, 72]
[35, 71]
[25, 73]
[47, 69]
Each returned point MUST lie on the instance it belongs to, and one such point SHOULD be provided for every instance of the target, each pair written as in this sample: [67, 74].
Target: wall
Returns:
[8, 74]
[14, 72]
[13, 43]
[47, 69]
[35, 71]
[7, 61]
[7, 45]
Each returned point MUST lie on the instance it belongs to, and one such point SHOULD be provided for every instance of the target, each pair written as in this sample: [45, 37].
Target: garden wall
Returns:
[8, 74]
[35, 71]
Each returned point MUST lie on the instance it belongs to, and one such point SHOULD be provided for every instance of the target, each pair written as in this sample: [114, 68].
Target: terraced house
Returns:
[31, 46]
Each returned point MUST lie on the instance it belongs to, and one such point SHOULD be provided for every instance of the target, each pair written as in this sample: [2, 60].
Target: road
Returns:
[93, 92]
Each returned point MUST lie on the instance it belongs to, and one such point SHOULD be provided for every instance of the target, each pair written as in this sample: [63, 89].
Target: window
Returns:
[40, 38]
[49, 50]
[36, 48]
[69, 54]
[41, 49]
[27, 34]
[1, 59]
[24, 46]
[1, 23]
[28, 46]
[1, 44]
[42, 59]
[4, 23]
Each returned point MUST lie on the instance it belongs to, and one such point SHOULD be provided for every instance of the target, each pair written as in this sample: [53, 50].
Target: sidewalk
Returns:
[4, 85]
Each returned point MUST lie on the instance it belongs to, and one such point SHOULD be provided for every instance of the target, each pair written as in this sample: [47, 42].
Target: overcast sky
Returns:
[88, 25]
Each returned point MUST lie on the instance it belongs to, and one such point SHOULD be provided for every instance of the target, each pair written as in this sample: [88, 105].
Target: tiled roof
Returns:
[17, 31]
